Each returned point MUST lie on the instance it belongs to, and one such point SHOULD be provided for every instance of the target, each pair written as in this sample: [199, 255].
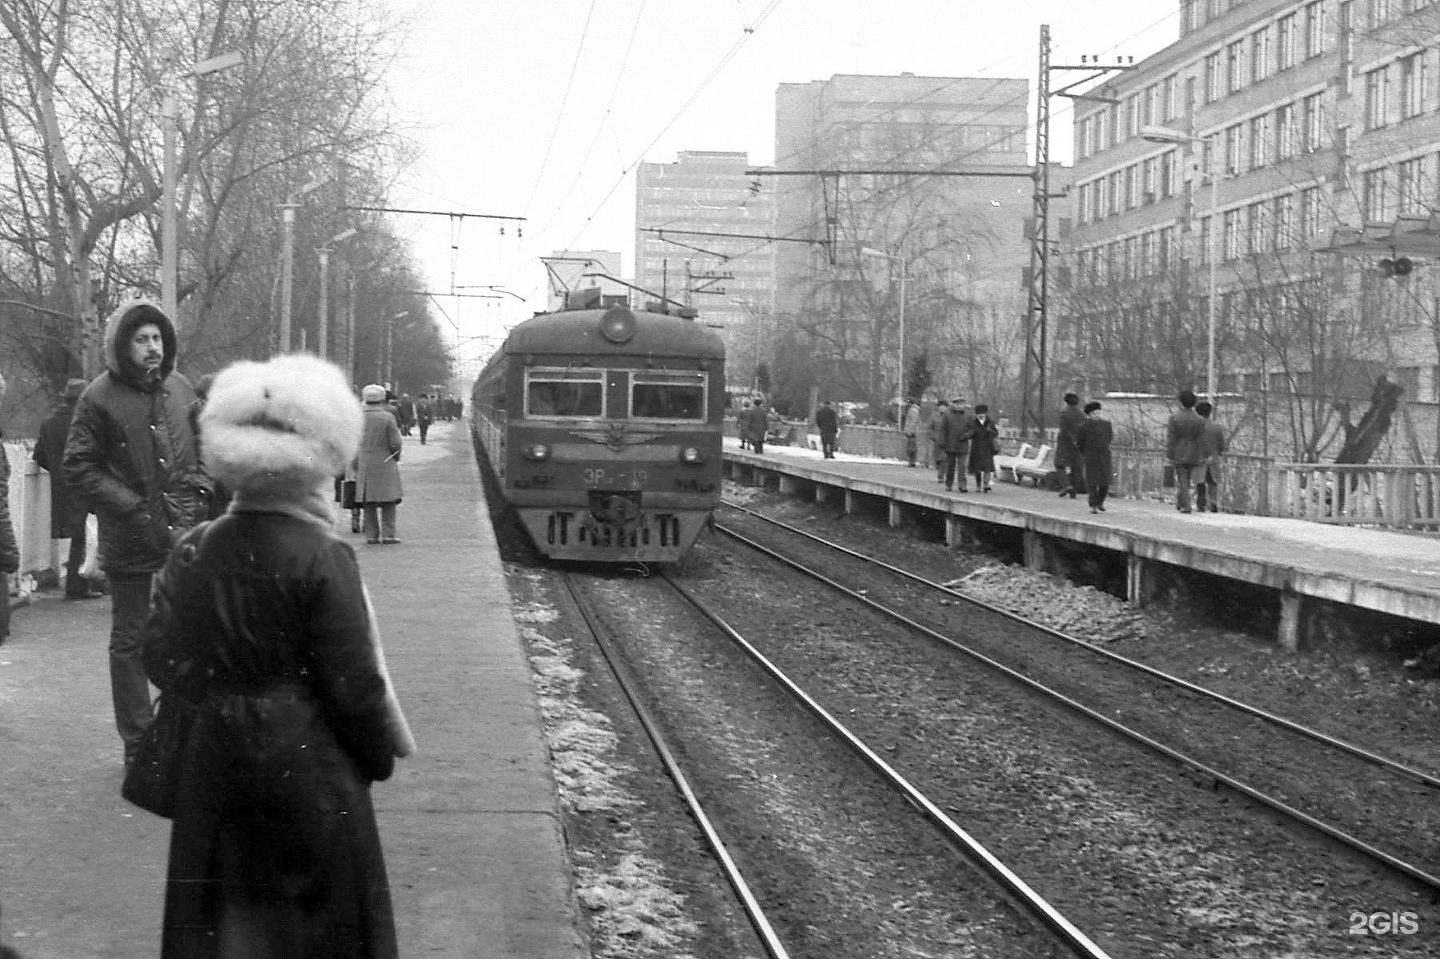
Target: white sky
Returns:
[543, 108]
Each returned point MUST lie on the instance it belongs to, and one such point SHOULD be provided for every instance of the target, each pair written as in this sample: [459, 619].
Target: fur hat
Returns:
[373, 393]
[280, 427]
[1092, 406]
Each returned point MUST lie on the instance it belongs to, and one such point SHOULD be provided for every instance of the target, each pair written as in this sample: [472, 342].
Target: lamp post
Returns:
[904, 275]
[169, 218]
[322, 329]
[287, 265]
[389, 343]
[1157, 134]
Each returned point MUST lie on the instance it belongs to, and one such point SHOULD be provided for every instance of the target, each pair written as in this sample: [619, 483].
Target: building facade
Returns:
[701, 225]
[1210, 181]
[894, 243]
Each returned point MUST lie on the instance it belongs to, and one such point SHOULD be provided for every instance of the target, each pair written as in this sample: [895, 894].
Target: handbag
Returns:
[152, 778]
[347, 494]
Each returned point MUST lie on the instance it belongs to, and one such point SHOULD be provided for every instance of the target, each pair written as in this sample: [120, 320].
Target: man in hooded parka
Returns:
[131, 457]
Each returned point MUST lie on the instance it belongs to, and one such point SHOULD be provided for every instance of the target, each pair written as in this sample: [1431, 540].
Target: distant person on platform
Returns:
[424, 416]
[1093, 440]
[756, 425]
[1183, 447]
[955, 434]
[9, 549]
[405, 410]
[67, 510]
[910, 427]
[742, 423]
[1212, 447]
[933, 430]
[1067, 455]
[377, 469]
[984, 444]
[827, 421]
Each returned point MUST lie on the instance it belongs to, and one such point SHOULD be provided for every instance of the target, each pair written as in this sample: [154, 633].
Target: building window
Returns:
[1285, 131]
[1167, 99]
[1285, 42]
[1169, 172]
[1411, 186]
[1232, 238]
[1212, 77]
[1132, 187]
[1259, 141]
[1150, 181]
[1379, 13]
[1234, 149]
[1309, 213]
[1314, 29]
[1132, 115]
[1375, 196]
[1412, 86]
[1261, 63]
[1284, 217]
[1377, 98]
[1260, 239]
[1312, 122]
[1203, 236]
[1235, 66]
[1112, 187]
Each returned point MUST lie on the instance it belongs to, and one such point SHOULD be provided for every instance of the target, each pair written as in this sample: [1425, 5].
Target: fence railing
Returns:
[1404, 496]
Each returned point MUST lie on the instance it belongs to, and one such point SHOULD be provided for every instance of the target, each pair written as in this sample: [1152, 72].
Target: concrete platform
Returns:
[1388, 572]
[470, 824]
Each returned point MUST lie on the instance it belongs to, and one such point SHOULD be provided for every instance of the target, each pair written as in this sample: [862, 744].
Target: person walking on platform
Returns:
[937, 446]
[132, 457]
[909, 427]
[377, 468]
[742, 424]
[424, 416]
[1183, 447]
[955, 437]
[67, 511]
[9, 549]
[275, 849]
[827, 421]
[757, 423]
[1212, 447]
[405, 412]
[1093, 440]
[1067, 456]
[984, 438]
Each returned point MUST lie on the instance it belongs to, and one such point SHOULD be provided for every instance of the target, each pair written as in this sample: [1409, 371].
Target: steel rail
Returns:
[1008, 879]
[1384, 762]
[773, 946]
[1339, 835]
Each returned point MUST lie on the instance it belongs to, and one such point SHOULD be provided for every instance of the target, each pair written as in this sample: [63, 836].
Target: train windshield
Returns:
[667, 395]
[564, 393]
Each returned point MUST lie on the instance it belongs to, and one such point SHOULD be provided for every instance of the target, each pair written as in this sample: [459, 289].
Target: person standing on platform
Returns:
[131, 456]
[377, 468]
[1067, 456]
[1182, 447]
[67, 511]
[955, 437]
[1212, 447]
[742, 424]
[1093, 440]
[984, 437]
[909, 427]
[9, 549]
[424, 416]
[827, 421]
[757, 423]
[262, 619]
[937, 445]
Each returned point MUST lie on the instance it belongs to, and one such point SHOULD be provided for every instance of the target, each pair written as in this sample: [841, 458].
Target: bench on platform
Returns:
[1005, 462]
[1036, 469]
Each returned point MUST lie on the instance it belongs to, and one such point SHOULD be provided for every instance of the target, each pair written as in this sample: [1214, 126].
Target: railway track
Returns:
[724, 675]
[1375, 807]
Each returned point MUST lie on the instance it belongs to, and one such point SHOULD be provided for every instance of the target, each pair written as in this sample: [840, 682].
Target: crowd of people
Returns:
[274, 838]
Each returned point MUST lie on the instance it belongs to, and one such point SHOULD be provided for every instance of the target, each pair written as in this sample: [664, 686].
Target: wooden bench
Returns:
[1038, 469]
[1005, 462]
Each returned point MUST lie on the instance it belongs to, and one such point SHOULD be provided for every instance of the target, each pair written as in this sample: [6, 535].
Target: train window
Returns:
[564, 393]
[667, 395]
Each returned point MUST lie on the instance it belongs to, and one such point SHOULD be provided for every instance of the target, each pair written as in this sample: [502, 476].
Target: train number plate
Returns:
[598, 478]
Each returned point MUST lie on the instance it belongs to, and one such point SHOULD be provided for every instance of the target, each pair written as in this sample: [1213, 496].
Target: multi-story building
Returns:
[892, 165]
[701, 225]
[1210, 181]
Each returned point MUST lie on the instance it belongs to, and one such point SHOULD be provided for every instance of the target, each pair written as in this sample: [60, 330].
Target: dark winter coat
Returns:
[377, 466]
[131, 454]
[274, 823]
[1093, 441]
[1067, 454]
[827, 420]
[67, 511]
[955, 430]
[1182, 437]
[984, 436]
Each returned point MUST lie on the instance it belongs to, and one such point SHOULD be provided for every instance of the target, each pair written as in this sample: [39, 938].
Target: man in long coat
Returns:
[1067, 455]
[1182, 447]
[67, 511]
[933, 430]
[377, 468]
[955, 433]
[1212, 447]
[909, 426]
[827, 421]
[1093, 440]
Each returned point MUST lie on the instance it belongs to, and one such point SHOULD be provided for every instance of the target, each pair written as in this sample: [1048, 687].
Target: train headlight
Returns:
[618, 324]
[690, 454]
[538, 452]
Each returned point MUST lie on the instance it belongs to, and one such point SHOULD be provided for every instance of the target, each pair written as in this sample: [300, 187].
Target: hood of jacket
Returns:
[119, 328]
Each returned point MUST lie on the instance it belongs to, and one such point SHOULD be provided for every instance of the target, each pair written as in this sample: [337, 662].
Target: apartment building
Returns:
[1225, 164]
[696, 226]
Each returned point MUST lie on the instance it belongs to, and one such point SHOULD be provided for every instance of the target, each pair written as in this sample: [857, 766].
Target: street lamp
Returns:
[287, 266]
[904, 273]
[322, 333]
[1157, 134]
[169, 225]
[389, 344]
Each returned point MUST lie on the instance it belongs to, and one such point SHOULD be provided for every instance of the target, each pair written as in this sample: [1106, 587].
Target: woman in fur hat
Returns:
[377, 468]
[262, 618]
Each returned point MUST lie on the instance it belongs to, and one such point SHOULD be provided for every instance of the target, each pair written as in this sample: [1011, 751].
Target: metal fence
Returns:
[1392, 497]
